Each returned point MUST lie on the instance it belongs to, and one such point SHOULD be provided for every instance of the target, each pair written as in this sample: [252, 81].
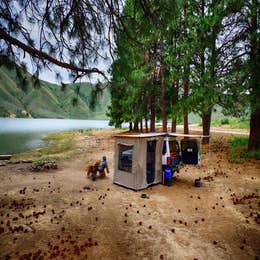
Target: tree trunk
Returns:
[152, 121]
[186, 117]
[141, 125]
[254, 138]
[164, 115]
[174, 102]
[174, 124]
[206, 121]
[186, 75]
[130, 126]
[136, 129]
[186, 124]
[206, 116]
[146, 124]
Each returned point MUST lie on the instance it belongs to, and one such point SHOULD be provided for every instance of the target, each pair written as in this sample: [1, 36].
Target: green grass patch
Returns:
[59, 146]
[44, 159]
[238, 152]
[232, 123]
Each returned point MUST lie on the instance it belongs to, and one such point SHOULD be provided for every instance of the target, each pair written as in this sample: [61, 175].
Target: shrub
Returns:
[239, 123]
[224, 121]
[238, 152]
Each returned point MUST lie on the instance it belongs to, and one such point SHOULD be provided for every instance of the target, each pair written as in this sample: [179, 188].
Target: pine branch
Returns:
[42, 55]
[224, 66]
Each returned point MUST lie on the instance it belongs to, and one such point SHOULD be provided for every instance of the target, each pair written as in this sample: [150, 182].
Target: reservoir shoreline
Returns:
[19, 135]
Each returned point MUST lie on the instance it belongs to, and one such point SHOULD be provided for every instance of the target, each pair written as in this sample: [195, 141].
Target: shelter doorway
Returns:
[190, 151]
[150, 161]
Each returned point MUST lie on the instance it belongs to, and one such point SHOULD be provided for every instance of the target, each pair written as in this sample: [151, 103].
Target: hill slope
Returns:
[47, 100]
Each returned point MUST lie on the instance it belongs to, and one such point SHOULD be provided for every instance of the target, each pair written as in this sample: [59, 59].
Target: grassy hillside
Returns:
[47, 100]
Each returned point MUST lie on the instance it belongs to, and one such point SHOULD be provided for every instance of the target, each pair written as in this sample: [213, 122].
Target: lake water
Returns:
[20, 135]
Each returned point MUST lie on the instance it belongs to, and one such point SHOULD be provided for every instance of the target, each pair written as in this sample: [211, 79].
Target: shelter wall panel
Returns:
[158, 165]
[122, 177]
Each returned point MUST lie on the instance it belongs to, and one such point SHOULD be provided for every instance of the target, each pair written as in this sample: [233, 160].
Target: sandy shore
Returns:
[60, 214]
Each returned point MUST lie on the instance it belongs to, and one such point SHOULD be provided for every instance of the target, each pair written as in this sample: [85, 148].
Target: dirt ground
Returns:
[60, 214]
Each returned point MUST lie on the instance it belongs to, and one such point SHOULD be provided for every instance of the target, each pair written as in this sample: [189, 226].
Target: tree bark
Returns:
[206, 121]
[186, 117]
[186, 76]
[164, 115]
[174, 124]
[136, 128]
[130, 126]
[186, 124]
[152, 108]
[146, 124]
[163, 87]
[174, 102]
[254, 138]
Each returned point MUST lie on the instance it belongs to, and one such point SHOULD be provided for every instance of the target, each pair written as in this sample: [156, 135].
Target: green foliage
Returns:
[63, 86]
[74, 101]
[224, 121]
[46, 159]
[136, 84]
[238, 141]
[238, 150]
[57, 143]
[236, 123]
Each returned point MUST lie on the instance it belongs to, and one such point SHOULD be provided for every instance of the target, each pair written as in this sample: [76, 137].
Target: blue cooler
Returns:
[168, 176]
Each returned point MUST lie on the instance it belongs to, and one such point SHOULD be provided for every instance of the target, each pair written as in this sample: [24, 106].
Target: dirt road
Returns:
[216, 130]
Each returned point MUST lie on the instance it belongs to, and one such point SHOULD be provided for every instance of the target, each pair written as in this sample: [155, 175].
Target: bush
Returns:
[238, 152]
[239, 141]
[240, 123]
[224, 121]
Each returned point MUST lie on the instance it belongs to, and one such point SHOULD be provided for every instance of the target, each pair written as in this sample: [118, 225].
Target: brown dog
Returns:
[91, 169]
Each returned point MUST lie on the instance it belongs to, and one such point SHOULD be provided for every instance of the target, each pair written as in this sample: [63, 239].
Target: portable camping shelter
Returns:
[138, 160]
